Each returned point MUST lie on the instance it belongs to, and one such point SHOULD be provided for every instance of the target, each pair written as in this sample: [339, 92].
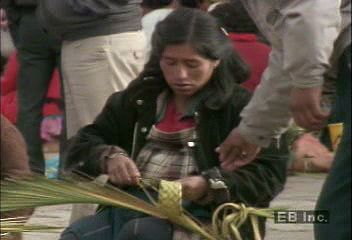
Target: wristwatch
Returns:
[217, 185]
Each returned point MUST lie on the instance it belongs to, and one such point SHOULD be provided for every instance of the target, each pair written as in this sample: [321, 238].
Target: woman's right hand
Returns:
[122, 171]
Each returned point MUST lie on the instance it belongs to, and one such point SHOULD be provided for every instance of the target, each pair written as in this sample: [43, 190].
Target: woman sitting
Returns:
[167, 125]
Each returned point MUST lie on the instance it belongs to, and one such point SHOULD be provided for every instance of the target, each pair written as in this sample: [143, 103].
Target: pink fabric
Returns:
[254, 53]
[50, 128]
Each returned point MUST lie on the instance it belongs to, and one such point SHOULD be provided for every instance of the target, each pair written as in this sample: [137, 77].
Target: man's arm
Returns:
[305, 32]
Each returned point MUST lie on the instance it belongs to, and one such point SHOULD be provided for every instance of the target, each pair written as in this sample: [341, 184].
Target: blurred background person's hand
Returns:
[3, 19]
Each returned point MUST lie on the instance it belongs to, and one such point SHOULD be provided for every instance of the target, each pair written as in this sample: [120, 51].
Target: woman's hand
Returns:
[122, 171]
[194, 188]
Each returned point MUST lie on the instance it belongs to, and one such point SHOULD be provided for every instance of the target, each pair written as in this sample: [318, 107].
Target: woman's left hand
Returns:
[194, 188]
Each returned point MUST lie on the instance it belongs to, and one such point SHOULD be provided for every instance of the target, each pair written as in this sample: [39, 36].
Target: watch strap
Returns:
[217, 186]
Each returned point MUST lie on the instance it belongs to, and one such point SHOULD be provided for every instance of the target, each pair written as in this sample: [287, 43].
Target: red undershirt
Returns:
[173, 120]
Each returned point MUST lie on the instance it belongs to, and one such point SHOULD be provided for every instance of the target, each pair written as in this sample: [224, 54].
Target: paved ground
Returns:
[300, 193]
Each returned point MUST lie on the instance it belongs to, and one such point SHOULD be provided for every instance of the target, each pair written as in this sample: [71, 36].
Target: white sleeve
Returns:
[305, 34]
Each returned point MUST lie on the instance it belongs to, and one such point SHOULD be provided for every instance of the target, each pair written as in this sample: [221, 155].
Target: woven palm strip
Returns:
[170, 203]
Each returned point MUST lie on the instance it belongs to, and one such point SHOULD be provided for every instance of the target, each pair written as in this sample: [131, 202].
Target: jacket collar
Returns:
[165, 96]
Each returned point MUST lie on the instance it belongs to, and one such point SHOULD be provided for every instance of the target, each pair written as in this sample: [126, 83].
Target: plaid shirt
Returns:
[168, 155]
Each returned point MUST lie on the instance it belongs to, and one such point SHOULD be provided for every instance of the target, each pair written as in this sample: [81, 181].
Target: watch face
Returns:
[217, 184]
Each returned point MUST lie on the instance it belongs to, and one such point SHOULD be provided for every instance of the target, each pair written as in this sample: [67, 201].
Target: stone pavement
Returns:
[300, 193]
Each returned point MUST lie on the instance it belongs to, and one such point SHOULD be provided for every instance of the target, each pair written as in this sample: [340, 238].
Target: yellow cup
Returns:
[335, 131]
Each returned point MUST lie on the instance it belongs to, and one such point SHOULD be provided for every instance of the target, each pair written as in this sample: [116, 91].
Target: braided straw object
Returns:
[170, 198]
[234, 216]
[226, 220]
[170, 204]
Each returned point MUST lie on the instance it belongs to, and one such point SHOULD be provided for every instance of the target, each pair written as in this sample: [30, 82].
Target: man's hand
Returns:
[306, 108]
[193, 188]
[236, 152]
[122, 171]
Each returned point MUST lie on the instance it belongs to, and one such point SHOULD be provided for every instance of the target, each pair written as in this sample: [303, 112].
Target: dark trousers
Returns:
[124, 224]
[100, 227]
[336, 194]
[38, 54]
[119, 224]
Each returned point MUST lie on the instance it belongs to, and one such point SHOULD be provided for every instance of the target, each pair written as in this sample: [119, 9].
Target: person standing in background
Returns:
[7, 46]
[243, 33]
[39, 55]
[336, 193]
[103, 49]
[302, 34]
[155, 11]
[293, 79]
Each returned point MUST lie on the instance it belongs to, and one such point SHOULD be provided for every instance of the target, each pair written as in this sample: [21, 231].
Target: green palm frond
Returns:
[40, 191]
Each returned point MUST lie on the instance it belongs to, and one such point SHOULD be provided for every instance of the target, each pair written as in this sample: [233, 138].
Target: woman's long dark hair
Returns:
[202, 32]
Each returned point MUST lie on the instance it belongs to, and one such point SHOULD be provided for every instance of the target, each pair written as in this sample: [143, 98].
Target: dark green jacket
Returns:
[128, 115]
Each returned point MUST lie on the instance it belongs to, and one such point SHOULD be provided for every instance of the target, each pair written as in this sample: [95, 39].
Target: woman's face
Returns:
[185, 71]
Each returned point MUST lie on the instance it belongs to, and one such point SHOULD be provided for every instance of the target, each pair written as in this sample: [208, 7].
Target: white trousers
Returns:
[96, 67]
